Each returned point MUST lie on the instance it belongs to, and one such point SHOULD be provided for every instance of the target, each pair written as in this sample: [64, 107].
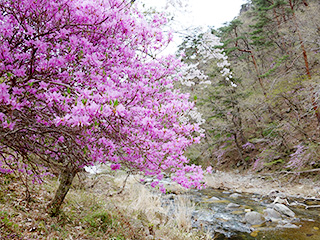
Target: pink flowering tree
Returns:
[80, 84]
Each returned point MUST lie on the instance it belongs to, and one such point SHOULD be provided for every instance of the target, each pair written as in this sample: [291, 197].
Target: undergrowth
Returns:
[90, 213]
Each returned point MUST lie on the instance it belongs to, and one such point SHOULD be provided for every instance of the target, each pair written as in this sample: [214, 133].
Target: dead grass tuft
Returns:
[90, 213]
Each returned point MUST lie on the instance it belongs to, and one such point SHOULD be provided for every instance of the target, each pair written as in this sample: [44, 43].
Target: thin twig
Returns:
[124, 185]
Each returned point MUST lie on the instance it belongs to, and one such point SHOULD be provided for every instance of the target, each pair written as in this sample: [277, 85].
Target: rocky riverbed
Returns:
[248, 206]
[264, 185]
[236, 206]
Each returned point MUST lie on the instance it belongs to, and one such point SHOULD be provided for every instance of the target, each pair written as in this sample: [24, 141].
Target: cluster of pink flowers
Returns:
[80, 84]
[248, 146]
[300, 157]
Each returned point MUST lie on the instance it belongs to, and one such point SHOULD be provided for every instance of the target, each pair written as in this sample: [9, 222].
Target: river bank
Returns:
[94, 208]
[248, 182]
[264, 185]
[255, 198]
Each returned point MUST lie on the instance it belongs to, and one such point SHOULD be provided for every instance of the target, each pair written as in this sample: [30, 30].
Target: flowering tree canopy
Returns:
[208, 47]
[80, 84]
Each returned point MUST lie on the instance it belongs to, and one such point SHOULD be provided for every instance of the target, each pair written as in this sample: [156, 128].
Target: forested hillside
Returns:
[261, 110]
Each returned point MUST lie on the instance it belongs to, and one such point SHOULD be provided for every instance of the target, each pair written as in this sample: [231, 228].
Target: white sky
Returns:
[195, 13]
[214, 12]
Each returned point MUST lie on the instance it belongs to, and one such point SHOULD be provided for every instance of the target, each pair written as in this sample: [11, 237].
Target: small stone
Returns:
[232, 206]
[214, 199]
[235, 195]
[281, 200]
[254, 234]
[289, 225]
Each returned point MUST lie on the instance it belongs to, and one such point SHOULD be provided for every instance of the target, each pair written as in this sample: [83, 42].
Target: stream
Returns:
[222, 214]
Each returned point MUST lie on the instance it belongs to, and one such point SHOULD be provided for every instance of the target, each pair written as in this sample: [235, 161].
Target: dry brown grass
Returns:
[252, 183]
[90, 213]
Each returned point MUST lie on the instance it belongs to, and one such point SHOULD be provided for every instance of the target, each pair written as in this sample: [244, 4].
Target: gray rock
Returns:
[283, 209]
[232, 206]
[271, 205]
[276, 193]
[288, 225]
[281, 200]
[214, 199]
[235, 195]
[272, 215]
[253, 218]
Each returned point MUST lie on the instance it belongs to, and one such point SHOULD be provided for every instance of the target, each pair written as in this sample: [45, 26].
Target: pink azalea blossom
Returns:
[92, 93]
[115, 166]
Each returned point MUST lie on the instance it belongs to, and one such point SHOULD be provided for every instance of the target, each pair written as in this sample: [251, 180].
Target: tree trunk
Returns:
[239, 148]
[305, 57]
[66, 177]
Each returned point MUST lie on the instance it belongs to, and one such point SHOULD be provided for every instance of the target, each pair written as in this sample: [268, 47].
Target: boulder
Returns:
[283, 209]
[253, 218]
[271, 215]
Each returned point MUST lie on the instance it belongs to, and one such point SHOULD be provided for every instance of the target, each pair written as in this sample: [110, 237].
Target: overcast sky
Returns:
[214, 12]
[194, 13]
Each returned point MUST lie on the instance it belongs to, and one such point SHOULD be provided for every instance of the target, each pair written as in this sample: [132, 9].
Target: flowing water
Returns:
[212, 215]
